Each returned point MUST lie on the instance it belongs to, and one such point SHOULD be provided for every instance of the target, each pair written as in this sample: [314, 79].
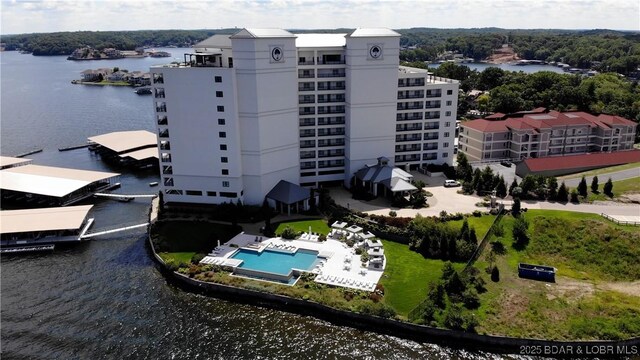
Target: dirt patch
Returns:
[512, 305]
[569, 289]
[630, 198]
[502, 55]
[629, 288]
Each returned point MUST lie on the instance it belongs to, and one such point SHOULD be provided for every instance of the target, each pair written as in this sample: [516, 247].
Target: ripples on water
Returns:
[104, 299]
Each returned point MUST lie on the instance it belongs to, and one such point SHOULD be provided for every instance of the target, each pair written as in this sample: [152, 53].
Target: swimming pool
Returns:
[276, 262]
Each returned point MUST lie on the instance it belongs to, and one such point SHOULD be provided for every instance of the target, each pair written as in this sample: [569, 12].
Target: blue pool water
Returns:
[275, 261]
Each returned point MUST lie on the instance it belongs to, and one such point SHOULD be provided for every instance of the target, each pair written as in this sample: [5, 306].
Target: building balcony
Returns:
[407, 116]
[406, 138]
[434, 95]
[161, 109]
[303, 75]
[307, 144]
[330, 153]
[331, 110]
[410, 106]
[323, 87]
[330, 62]
[306, 101]
[163, 120]
[331, 74]
[431, 136]
[410, 95]
[323, 164]
[405, 158]
[410, 82]
[306, 87]
[407, 148]
[331, 132]
[307, 165]
[306, 62]
[307, 111]
[164, 133]
[335, 120]
[430, 146]
[307, 122]
[432, 106]
[307, 133]
[400, 128]
[331, 142]
[330, 98]
[307, 154]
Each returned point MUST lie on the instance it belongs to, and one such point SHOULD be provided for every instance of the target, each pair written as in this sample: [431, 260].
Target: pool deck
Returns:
[340, 266]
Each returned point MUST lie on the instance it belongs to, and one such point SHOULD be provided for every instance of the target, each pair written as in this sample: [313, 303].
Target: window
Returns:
[222, 134]
[220, 108]
[211, 193]
[228, 194]
[219, 94]
[448, 102]
[223, 147]
[445, 144]
[447, 124]
[194, 192]
[224, 159]
[225, 184]
[221, 121]
[230, 62]
[449, 92]
[218, 79]
[446, 134]
[225, 171]
[447, 113]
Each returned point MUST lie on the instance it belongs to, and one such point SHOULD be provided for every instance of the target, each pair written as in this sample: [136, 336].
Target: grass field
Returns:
[318, 226]
[589, 252]
[407, 276]
[481, 224]
[178, 257]
[599, 172]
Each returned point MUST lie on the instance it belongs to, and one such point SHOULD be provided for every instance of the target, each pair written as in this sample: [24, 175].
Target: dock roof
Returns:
[48, 180]
[122, 141]
[47, 219]
[8, 161]
[141, 154]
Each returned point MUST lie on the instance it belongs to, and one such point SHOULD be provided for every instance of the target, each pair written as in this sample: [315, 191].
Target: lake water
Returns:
[104, 298]
[509, 67]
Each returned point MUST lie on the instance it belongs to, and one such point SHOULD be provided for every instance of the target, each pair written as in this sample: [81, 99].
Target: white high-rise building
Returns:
[244, 112]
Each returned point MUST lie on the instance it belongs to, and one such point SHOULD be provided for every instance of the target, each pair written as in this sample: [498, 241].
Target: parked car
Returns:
[506, 163]
[451, 183]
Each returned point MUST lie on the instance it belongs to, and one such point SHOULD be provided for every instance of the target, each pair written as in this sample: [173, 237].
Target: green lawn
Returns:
[481, 224]
[621, 187]
[599, 172]
[318, 226]
[177, 257]
[407, 276]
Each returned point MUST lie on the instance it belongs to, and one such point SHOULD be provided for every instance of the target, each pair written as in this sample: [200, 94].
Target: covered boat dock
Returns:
[44, 186]
[7, 162]
[44, 225]
[138, 148]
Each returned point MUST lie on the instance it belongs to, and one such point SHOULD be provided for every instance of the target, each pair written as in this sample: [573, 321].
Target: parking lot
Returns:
[509, 173]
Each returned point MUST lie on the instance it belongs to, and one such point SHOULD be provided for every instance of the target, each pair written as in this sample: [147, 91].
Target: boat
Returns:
[125, 198]
[143, 91]
[155, 183]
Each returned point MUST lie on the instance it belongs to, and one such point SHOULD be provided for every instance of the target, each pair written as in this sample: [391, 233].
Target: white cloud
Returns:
[48, 15]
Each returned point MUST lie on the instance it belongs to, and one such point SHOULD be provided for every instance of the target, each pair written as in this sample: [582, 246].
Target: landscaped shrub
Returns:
[393, 213]
[289, 233]
[195, 259]
[520, 233]
[608, 188]
[477, 213]
[582, 187]
[574, 196]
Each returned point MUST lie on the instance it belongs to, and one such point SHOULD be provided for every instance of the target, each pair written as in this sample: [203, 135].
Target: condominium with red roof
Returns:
[538, 133]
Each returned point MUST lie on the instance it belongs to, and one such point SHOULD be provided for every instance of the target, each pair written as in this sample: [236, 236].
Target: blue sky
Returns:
[48, 16]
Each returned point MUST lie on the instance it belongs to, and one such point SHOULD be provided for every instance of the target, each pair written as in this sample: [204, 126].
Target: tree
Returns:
[495, 274]
[464, 230]
[563, 194]
[552, 185]
[447, 271]
[514, 185]
[515, 208]
[501, 189]
[520, 232]
[574, 196]
[594, 185]
[464, 170]
[476, 179]
[608, 188]
[582, 187]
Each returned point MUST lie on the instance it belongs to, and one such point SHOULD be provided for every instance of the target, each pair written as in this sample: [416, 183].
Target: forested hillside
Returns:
[603, 50]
